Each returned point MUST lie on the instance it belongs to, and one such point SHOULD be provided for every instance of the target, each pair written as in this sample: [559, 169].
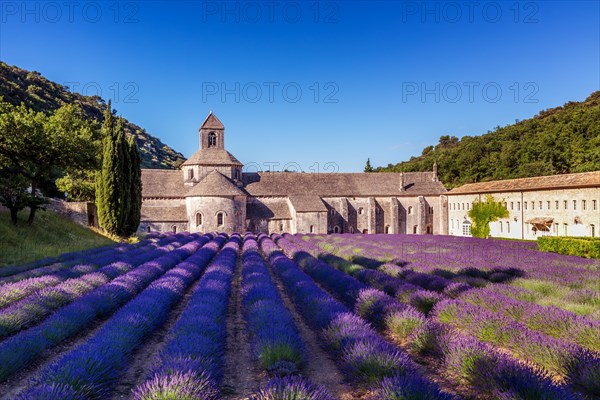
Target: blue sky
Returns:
[323, 85]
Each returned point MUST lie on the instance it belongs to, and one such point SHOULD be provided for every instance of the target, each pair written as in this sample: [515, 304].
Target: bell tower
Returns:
[212, 133]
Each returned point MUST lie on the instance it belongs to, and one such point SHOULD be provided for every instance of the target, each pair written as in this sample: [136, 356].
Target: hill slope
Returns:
[49, 236]
[18, 85]
[559, 140]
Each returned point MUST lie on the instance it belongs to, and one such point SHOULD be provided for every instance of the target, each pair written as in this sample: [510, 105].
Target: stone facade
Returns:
[569, 208]
[212, 193]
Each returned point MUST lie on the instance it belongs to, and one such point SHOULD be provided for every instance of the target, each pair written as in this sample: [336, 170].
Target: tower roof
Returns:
[215, 184]
[212, 122]
[212, 156]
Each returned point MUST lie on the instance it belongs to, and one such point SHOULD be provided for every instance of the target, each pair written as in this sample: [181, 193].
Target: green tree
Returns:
[36, 145]
[135, 187]
[108, 191]
[13, 192]
[368, 167]
[484, 212]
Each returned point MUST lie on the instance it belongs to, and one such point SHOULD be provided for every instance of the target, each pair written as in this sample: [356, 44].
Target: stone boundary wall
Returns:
[82, 212]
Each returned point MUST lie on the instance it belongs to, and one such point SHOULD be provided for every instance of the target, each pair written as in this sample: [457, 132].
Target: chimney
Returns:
[402, 181]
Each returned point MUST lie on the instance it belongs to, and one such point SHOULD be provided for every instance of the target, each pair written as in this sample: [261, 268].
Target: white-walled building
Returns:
[557, 205]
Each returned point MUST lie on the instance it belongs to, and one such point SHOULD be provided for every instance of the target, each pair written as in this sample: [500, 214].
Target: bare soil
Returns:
[242, 375]
[142, 360]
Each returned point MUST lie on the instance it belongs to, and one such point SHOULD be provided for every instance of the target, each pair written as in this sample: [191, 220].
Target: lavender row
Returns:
[548, 320]
[576, 365]
[11, 292]
[275, 339]
[429, 338]
[190, 364]
[23, 348]
[35, 307]
[91, 370]
[366, 357]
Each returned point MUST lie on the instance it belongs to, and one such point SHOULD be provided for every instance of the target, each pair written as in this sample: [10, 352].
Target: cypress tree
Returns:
[107, 184]
[123, 180]
[135, 191]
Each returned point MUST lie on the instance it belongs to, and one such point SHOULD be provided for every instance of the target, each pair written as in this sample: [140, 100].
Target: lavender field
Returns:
[245, 316]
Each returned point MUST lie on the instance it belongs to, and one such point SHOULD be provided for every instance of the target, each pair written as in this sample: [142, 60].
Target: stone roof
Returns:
[584, 179]
[307, 203]
[164, 214]
[215, 184]
[256, 209]
[212, 122]
[212, 156]
[162, 183]
[341, 184]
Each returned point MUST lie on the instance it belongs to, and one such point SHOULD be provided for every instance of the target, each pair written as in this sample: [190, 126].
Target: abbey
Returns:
[211, 192]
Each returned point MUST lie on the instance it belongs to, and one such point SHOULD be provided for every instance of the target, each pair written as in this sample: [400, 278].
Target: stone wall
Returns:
[82, 212]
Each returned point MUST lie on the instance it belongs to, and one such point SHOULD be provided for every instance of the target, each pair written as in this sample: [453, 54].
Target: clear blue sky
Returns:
[379, 79]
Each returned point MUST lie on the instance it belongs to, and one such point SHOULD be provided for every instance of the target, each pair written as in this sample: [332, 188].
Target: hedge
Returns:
[583, 247]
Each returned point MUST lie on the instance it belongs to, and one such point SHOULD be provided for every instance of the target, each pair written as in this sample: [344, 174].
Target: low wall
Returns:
[81, 212]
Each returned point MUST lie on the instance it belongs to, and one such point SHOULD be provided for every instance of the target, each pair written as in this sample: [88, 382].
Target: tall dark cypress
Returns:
[124, 180]
[107, 184]
[135, 192]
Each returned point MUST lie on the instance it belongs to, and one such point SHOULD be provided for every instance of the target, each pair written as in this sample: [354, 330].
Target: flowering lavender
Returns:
[21, 349]
[93, 368]
[291, 388]
[276, 341]
[408, 387]
[193, 356]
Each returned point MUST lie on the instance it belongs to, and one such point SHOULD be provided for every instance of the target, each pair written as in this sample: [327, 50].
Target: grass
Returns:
[49, 236]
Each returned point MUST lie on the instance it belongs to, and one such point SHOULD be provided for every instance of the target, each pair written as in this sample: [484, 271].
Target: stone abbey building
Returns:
[211, 192]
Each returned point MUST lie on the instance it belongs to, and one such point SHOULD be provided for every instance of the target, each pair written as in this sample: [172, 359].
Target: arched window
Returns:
[332, 211]
[351, 230]
[466, 228]
[415, 229]
[312, 229]
[566, 229]
[360, 210]
[174, 228]
[281, 227]
[508, 226]
[336, 229]
[593, 230]
[212, 139]
[429, 229]
[501, 226]
[198, 219]
[190, 173]
[220, 218]
[387, 229]
[410, 210]
[148, 228]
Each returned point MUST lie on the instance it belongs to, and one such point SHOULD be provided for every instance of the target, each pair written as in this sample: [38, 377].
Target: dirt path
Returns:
[141, 361]
[23, 379]
[242, 376]
[319, 368]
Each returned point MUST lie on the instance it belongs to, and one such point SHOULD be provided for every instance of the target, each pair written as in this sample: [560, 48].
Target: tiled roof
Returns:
[164, 214]
[212, 156]
[215, 184]
[212, 122]
[341, 184]
[307, 203]
[257, 209]
[162, 183]
[584, 179]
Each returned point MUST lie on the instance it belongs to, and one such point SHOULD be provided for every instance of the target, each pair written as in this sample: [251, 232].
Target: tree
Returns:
[368, 167]
[36, 145]
[119, 187]
[135, 188]
[13, 192]
[484, 212]
[107, 184]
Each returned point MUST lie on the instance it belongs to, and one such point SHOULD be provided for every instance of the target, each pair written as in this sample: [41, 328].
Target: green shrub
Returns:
[583, 247]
